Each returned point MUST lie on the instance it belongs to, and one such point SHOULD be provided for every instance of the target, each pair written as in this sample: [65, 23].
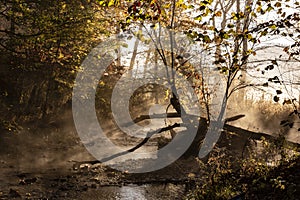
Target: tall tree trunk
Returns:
[12, 18]
[146, 62]
[134, 53]
[246, 22]
[119, 49]
[238, 25]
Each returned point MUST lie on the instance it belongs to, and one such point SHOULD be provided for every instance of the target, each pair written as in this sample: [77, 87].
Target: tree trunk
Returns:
[194, 148]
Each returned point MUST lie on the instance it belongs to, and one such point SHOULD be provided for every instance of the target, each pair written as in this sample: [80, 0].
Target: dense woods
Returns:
[253, 45]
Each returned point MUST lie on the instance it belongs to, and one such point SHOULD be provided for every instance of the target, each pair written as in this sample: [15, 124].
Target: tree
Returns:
[234, 38]
[42, 45]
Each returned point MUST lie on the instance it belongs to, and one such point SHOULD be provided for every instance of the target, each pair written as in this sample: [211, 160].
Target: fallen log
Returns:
[195, 146]
[256, 135]
[144, 141]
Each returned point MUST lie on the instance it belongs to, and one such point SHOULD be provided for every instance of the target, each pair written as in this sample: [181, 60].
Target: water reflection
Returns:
[132, 192]
[136, 192]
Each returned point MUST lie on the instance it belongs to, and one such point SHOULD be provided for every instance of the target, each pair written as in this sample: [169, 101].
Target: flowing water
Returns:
[138, 192]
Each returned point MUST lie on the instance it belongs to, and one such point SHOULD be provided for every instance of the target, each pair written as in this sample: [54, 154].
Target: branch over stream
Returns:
[227, 127]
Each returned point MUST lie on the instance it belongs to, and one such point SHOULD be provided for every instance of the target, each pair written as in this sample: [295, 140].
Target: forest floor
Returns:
[37, 163]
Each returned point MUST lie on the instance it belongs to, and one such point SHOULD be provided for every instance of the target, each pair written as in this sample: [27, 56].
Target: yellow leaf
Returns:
[218, 13]
[250, 51]
[191, 175]
[111, 3]
[253, 14]
[234, 17]
[249, 36]
[258, 9]
[199, 18]
[63, 6]
[61, 55]
[273, 26]
[226, 36]
[269, 8]
[168, 5]
[211, 28]
[277, 4]
[167, 94]
[101, 83]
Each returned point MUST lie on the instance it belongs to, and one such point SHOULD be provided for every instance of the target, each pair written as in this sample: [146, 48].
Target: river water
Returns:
[138, 192]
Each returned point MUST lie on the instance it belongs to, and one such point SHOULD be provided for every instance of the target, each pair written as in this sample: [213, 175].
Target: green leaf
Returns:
[249, 36]
[263, 33]
[206, 39]
[269, 8]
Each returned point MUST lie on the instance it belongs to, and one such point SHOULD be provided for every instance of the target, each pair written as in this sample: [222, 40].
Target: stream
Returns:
[138, 192]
